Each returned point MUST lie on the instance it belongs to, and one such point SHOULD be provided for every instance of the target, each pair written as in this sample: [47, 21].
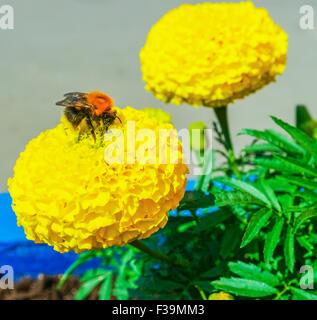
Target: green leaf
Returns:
[284, 143]
[300, 294]
[257, 222]
[286, 201]
[303, 183]
[304, 120]
[281, 185]
[261, 147]
[269, 194]
[299, 136]
[303, 242]
[305, 215]
[254, 133]
[273, 239]
[244, 187]
[289, 249]
[244, 287]
[105, 289]
[285, 165]
[185, 226]
[87, 287]
[275, 138]
[302, 116]
[93, 274]
[308, 195]
[228, 198]
[196, 199]
[253, 272]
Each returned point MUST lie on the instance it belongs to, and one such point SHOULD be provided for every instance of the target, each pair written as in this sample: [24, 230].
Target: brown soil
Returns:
[44, 288]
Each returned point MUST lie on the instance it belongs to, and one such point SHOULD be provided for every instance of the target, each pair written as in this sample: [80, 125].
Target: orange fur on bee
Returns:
[102, 102]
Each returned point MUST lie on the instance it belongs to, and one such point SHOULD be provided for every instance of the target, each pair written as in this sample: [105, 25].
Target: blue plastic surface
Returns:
[26, 257]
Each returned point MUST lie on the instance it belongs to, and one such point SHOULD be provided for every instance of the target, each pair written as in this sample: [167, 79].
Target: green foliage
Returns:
[257, 222]
[118, 273]
[252, 245]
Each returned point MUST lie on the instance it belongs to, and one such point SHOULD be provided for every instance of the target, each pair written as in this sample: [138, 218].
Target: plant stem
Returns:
[222, 117]
[280, 294]
[142, 247]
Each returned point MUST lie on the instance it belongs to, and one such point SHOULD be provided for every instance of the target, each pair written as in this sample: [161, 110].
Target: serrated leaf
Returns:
[300, 294]
[105, 289]
[289, 249]
[305, 215]
[299, 136]
[269, 193]
[273, 239]
[244, 287]
[253, 272]
[257, 222]
[244, 187]
[227, 198]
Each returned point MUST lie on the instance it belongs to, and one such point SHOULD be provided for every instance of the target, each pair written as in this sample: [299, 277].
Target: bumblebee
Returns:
[93, 107]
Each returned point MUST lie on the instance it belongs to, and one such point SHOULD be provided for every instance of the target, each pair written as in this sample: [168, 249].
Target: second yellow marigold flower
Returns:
[211, 54]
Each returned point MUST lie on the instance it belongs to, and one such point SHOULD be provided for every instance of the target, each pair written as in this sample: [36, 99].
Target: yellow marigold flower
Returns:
[212, 53]
[159, 114]
[66, 195]
[220, 296]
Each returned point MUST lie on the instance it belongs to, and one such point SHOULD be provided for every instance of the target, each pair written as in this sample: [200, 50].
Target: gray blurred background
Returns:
[81, 45]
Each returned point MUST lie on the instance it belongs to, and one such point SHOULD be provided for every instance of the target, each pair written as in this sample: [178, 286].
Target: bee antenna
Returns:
[119, 119]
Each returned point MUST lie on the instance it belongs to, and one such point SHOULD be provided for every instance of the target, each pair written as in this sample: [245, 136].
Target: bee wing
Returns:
[74, 99]
[76, 94]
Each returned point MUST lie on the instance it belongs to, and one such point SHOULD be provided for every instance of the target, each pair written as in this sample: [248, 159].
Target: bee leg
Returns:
[106, 121]
[91, 127]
